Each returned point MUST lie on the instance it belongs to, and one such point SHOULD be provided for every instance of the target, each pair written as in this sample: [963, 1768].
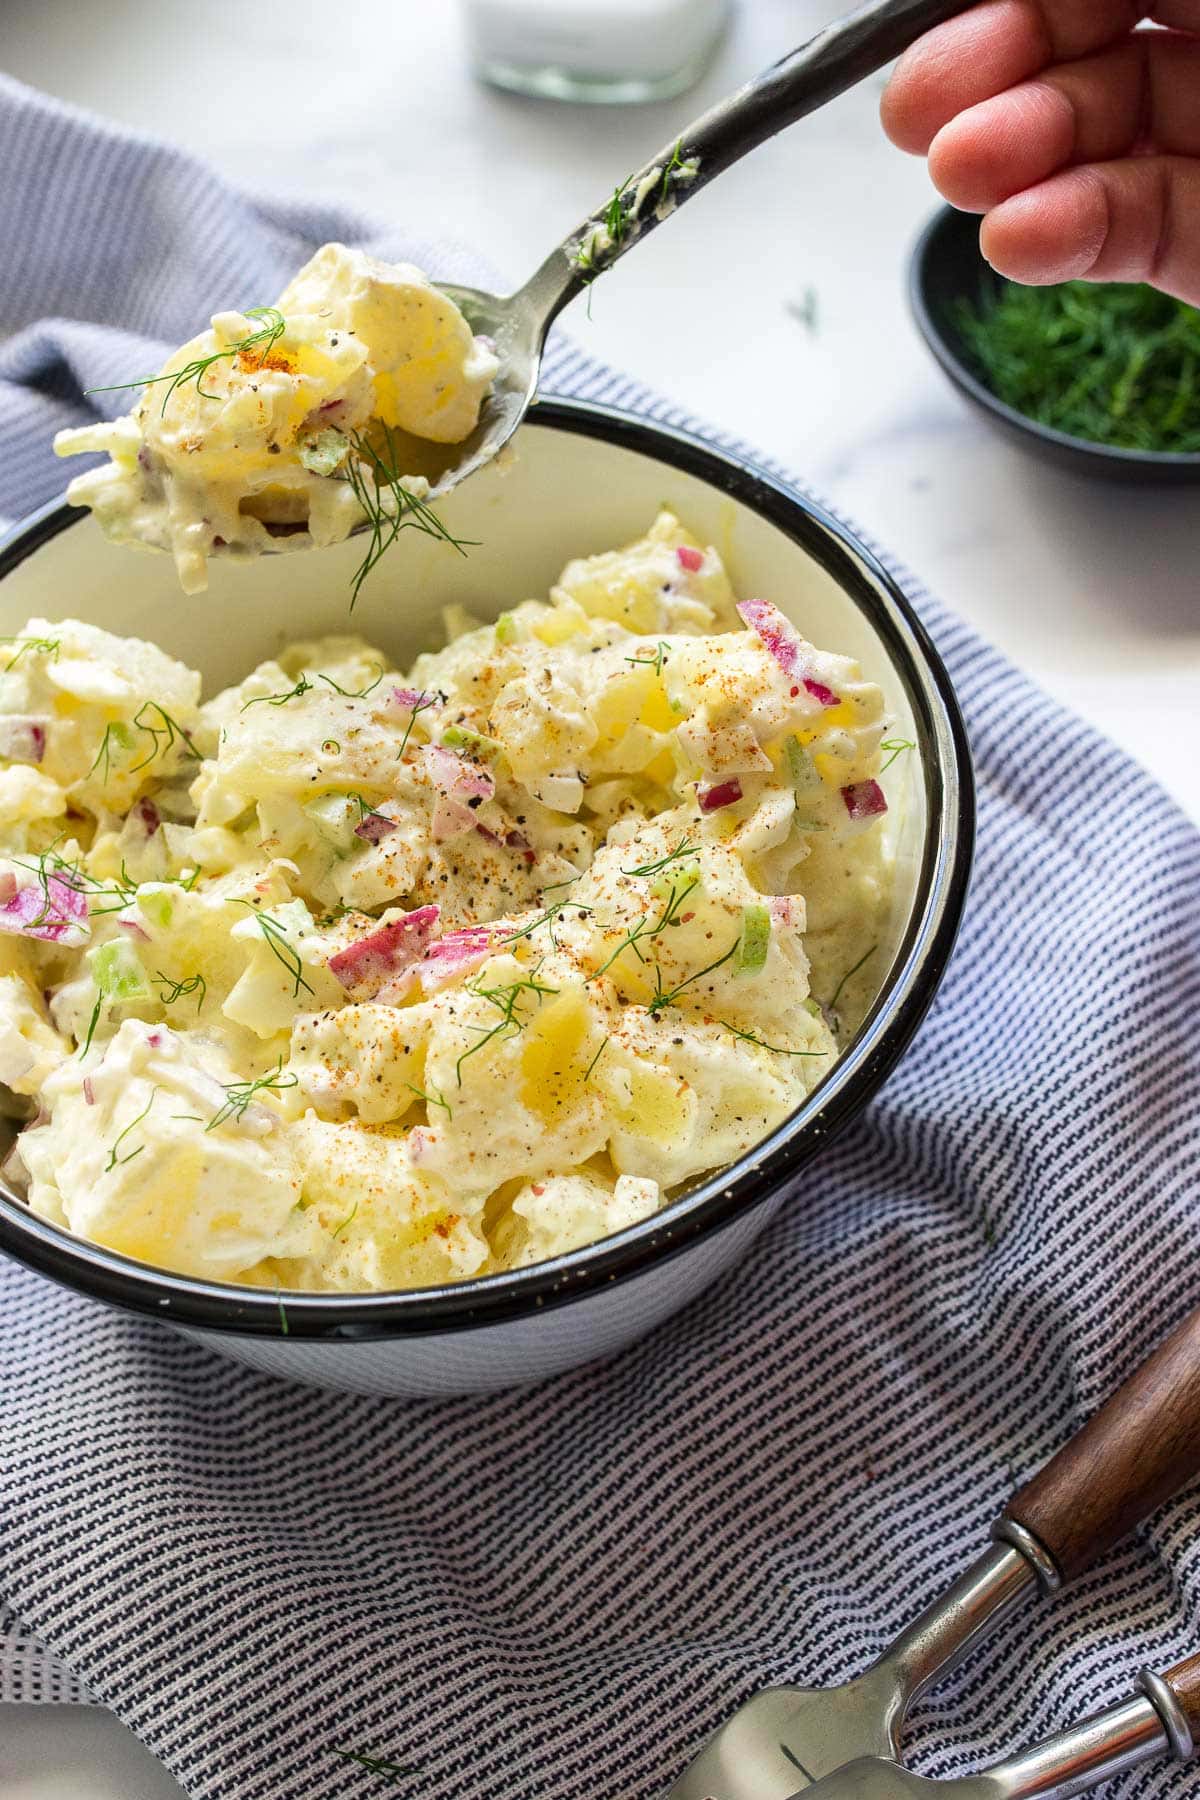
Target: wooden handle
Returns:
[1184, 1682]
[1131, 1456]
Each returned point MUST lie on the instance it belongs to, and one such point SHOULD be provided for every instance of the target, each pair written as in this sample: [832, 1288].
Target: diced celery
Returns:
[458, 737]
[506, 629]
[755, 939]
[118, 973]
[323, 451]
[335, 816]
[801, 767]
[675, 881]
[156, 906]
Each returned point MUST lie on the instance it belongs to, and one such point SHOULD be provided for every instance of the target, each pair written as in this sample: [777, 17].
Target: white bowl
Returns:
[582, 478]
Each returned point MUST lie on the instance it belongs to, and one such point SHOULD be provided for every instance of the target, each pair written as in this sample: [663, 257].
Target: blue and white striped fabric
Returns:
[555, 1594]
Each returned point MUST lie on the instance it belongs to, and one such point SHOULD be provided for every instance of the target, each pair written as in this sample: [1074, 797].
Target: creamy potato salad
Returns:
[349, 978]
[290, 425]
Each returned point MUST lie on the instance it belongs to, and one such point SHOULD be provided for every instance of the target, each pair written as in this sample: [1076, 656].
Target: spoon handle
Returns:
[838, 57]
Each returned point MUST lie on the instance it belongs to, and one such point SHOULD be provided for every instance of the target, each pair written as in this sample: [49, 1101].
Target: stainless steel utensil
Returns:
[1142, 1445]
[1164, 1717]
[838, 57]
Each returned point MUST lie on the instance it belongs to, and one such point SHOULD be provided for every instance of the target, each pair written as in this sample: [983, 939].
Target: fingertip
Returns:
[1053, 232]
[901, 119]
[1002, 146]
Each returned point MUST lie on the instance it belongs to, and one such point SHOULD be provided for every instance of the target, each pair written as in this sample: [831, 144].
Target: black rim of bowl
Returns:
[945, 347]
[920, 960]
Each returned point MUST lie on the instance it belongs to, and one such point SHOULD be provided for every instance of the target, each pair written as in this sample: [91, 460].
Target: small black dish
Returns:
[947, 266]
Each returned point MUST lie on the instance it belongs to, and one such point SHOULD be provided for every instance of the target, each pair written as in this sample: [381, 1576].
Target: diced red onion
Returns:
[147, 815]
[56, 913]
[135, 930]
[451, 773]
[154, 1039]
[364, 966]
[864, 799]
[722, 793]
[820, 692]
[786, 910]
[456, 954]
[516, 840]
[89, 1092]
[8, 885]
[689, 559]
[779, 636]
[451, 819]
[22, 739]
[374, 827]
[410, 698]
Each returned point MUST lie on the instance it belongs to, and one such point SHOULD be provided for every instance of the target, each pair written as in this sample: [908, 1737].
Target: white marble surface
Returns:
[1092, 588]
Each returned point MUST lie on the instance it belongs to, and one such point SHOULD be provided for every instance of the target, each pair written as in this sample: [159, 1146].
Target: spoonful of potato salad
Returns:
[367, 392]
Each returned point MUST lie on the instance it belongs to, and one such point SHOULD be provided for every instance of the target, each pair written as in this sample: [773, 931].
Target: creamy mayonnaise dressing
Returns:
[250, 437]
[353, 979]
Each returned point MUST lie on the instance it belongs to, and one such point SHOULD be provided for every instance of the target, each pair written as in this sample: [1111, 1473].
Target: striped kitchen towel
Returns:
[555, 1594]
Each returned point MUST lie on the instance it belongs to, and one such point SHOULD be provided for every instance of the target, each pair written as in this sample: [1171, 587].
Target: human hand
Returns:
[1077, 136]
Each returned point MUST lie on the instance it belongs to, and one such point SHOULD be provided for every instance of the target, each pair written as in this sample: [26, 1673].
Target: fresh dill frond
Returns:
[545, 918]
[897, 746]
[684, 848]
[506, 999]
[346, 1222]
[664, 997]
[92, 1024]
[375, 1765]
[303, 686]
[280, 943]
[118, 734]
[749, 1037]
[284, 1327]
[648, 928]
[239, 1094]
[30, 646]
[587, 1073]
[433, 1098]
[163, 735]
[179, 990]
[353, 693]
[421, 706]
[654, 662]
[389, 507]
[115, 1161]
[258, 344]
[850, 973]
[676, 162]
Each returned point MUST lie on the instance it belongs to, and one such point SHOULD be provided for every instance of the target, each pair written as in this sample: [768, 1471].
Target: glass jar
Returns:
[618, 51]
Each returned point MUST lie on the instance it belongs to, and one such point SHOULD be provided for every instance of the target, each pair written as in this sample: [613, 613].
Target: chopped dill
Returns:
[239, 1094]
[506, 999]
[170, 730]
[587, 1074]
[115, 1161]
[303, 686]
[421, 706]
[284, 1327]
[897, 746]
[258, 344]
[433, 1098]
[656, 661]
[378, 485]
[179, 990]
[346, 1222]
[850, 973]
[664, 998]
[645, 928]
[353, 693]
[684, 848]
[546, 918]
[805, 310]
[748, 1037]
[375, 1765]
[615, 217]
[115, 732]
[92, 1024]
[1110, 363]
[30, 646]
[280, 943]
[676, 162]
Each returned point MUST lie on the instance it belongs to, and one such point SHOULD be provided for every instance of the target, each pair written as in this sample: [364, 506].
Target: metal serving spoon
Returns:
[1130, 1457]
[838, 57]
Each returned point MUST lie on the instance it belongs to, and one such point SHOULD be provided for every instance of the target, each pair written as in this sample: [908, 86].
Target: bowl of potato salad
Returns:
[431, 995]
